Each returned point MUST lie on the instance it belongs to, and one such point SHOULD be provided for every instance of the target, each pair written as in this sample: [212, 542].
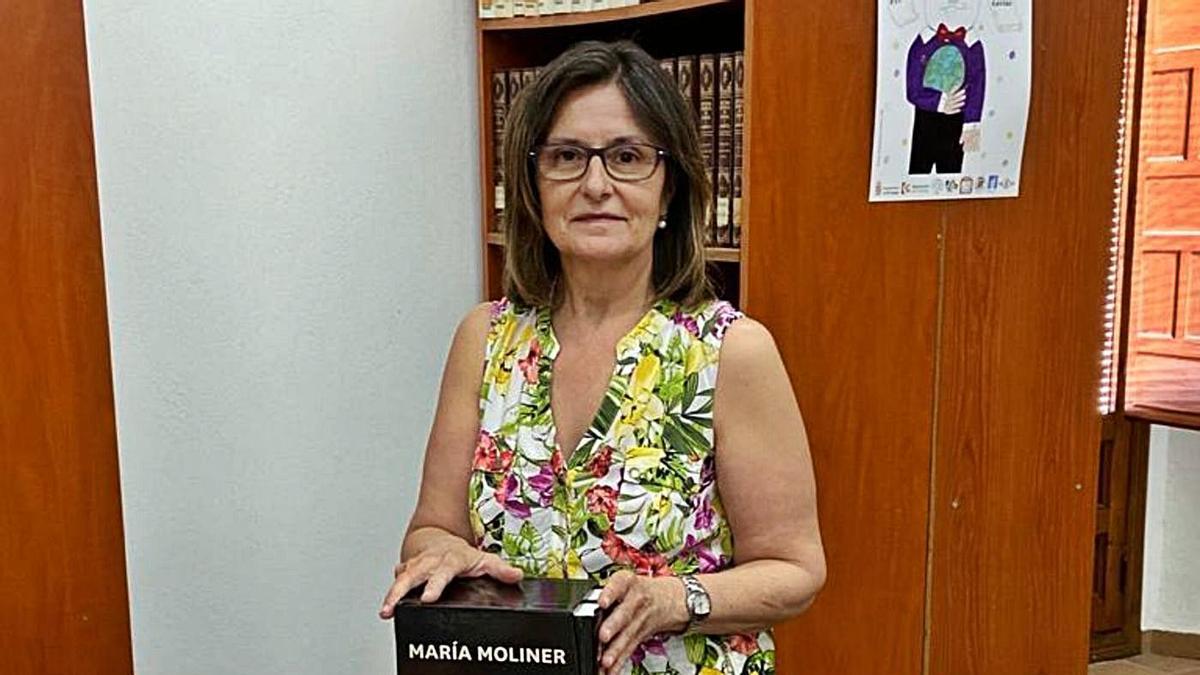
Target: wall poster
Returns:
[951, 98]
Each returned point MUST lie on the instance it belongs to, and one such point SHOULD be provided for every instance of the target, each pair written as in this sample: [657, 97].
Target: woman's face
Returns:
[597, 218]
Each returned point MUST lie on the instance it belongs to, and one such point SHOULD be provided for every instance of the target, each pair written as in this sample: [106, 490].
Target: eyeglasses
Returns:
[623, 161]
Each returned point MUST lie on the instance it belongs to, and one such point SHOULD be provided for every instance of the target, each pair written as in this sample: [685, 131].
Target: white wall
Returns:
[1171, 577]
[288, 198]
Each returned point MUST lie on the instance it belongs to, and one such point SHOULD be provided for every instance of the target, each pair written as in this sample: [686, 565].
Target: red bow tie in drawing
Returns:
[946, 35]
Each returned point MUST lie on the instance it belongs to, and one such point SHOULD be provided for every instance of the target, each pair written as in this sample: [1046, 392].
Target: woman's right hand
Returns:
[436, 566]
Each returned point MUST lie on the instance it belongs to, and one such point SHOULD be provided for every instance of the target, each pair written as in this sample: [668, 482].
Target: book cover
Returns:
[708, 135]
[485, 627]
[499, 117]
[739, 121]
[724, 149]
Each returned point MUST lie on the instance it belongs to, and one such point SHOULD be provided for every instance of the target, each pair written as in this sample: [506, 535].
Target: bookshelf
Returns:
[665, 29]
[601, 16]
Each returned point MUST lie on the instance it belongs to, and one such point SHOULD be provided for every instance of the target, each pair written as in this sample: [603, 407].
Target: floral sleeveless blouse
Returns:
[638, 493]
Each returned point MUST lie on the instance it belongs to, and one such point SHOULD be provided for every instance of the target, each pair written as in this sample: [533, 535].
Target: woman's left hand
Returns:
[636, 608]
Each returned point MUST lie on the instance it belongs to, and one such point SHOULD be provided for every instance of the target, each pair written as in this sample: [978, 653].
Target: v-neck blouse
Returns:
[639, 491]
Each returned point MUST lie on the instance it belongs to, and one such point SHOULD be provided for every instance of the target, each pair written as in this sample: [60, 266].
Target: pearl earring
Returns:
[662, 223]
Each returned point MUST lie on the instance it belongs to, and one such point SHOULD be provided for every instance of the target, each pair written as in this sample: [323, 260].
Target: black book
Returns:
[499, 118]
[485, 627]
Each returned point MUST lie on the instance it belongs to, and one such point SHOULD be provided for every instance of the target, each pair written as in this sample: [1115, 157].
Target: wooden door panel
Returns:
[1163, 367]
[1171, 210]
[1157, 281]
[65, 608]
[1174, 23]
[1165, 125]
[1191, 302]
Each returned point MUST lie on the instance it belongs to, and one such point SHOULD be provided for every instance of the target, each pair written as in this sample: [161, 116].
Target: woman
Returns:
[582, 430]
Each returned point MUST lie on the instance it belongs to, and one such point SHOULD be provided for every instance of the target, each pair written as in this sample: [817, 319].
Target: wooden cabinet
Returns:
[946, 355]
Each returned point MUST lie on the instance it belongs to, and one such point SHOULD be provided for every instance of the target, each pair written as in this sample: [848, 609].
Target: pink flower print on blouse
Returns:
[704, 515]
[488, 457]
[706, 560]
[603, 499]
[650, 564]
[614, 548]
[726, 315]
[498, 308]
[600, 463]
[743, 643]
[653, 646]
[510, 499]
[529, 364]
[543, 483]
[687, 321]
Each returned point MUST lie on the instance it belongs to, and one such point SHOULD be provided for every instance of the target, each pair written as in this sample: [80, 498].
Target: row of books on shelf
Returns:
[713, 84]
[503, 9]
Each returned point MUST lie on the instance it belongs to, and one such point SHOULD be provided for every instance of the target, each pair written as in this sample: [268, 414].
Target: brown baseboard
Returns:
[1114, 645]
[1165, 643]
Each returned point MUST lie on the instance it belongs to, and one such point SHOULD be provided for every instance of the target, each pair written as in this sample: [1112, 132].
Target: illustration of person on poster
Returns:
[958, 120]
[946, 83]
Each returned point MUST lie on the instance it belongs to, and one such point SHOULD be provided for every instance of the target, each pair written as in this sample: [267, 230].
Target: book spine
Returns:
[499, 117]
[518, 7]
[528, 75]
[600, 4]
[514, 86]
[668, 66]
[708, 136]
[739, 125]
[581, 5]
[724, 149]
[685, 77]
[561, 7]
[545, 7]
[587, 639]
[502, 9]
[485, 9]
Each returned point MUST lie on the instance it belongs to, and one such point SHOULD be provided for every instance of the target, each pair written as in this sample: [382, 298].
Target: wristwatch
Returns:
[699, 605]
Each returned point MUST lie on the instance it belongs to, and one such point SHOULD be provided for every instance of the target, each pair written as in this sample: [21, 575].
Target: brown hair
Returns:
[532, 264]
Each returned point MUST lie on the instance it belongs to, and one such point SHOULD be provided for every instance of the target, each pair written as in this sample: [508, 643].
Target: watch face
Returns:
[703, 606]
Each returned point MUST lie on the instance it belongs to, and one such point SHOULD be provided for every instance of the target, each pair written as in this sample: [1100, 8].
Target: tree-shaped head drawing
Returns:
[953, 14]
[951, 21]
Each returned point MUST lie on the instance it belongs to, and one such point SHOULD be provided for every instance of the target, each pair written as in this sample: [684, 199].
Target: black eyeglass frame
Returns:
[659, 155]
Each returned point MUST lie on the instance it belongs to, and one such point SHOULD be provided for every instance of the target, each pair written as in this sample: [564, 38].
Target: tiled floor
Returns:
[1146, 664]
